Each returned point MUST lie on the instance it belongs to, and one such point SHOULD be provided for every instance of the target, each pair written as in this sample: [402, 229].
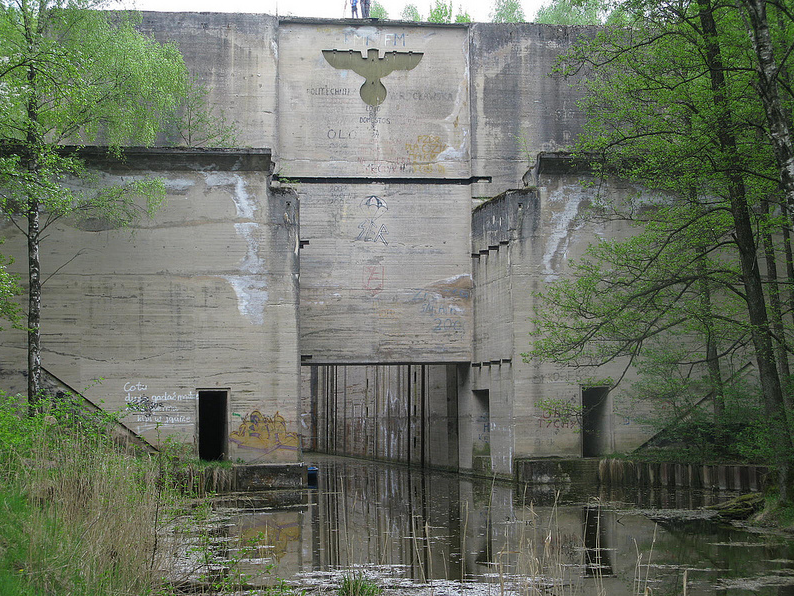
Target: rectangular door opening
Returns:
[212, 424]
[595, 421]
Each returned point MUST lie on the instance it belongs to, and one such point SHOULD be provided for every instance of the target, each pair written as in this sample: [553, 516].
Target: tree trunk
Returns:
[775, 309]
[786, 233]
[707, 315]
[34, 143]
[785, 211]
[769, 93]
[712, 358]
[745, 241]
[34, 306]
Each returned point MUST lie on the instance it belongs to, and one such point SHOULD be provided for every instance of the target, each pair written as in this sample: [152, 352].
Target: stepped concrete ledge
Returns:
[620, 472]
[739, 477]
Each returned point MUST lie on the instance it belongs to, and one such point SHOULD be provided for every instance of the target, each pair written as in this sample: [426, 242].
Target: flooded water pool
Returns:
[447, 533]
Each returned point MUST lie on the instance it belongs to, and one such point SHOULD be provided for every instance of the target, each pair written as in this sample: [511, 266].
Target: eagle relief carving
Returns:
[373, 68]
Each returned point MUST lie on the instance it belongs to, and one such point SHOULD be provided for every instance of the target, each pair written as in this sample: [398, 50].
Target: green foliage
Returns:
[195, 125]
[95, 81]
[72, 76]
[9, 290]
[13, 512]
[441, 12]
[94, 78]
[357, 584]
[776, 513]
[462, 16]
[674, 103]
[690, 431]
[507, 11]
[377, 11]
[580, 12]
[79, 516]
[568, 12]
[410, 13]
[626, 292]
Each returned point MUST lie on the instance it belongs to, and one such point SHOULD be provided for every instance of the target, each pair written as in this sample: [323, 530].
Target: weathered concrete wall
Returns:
[521, 241]
[386, 131]
[201, 297]
[235, 56]
[519, 107]
[385, 274]
[481, 101]
[420, 128]
[477, 99]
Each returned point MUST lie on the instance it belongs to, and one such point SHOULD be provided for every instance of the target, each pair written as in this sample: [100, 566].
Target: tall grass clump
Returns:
[77, 515]
[357, 584]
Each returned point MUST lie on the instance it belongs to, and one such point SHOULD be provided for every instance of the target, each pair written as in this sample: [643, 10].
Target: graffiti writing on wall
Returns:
[161, 407]
[565, 376]
[340, 193]
[484, 424]
[444, 303]
[560, 414]
[371, 229]
[326, 90]
[265, 434]
[385, 167]
[427, 148]
[424, 152]
[363, 37]
[374, 279]
[387, 312]
[426, 95]
[143, 404]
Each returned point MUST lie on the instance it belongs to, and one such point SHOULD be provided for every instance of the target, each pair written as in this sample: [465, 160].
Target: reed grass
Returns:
[357, 584]
[77, 515]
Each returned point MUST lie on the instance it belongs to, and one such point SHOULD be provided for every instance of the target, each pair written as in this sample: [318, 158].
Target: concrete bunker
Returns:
[394, 314]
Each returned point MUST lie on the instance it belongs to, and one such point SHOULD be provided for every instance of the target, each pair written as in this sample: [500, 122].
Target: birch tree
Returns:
[71, 76]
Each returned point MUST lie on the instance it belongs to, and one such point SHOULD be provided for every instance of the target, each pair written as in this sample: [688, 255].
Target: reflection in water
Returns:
[598, 561]
[406, 524]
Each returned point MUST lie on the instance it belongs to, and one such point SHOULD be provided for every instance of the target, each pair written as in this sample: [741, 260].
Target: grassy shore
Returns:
[77, 516]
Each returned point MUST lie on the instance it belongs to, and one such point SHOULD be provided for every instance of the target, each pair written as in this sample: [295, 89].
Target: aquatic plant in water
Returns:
[357, 584]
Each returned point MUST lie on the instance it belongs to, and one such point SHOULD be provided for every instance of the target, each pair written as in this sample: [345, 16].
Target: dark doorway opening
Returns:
[595, 421]
[212, 424]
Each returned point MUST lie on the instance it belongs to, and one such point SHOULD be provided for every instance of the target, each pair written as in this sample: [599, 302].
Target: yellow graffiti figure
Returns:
[265, 434]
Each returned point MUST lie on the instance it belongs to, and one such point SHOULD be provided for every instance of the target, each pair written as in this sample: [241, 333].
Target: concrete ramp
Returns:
[120, 433]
